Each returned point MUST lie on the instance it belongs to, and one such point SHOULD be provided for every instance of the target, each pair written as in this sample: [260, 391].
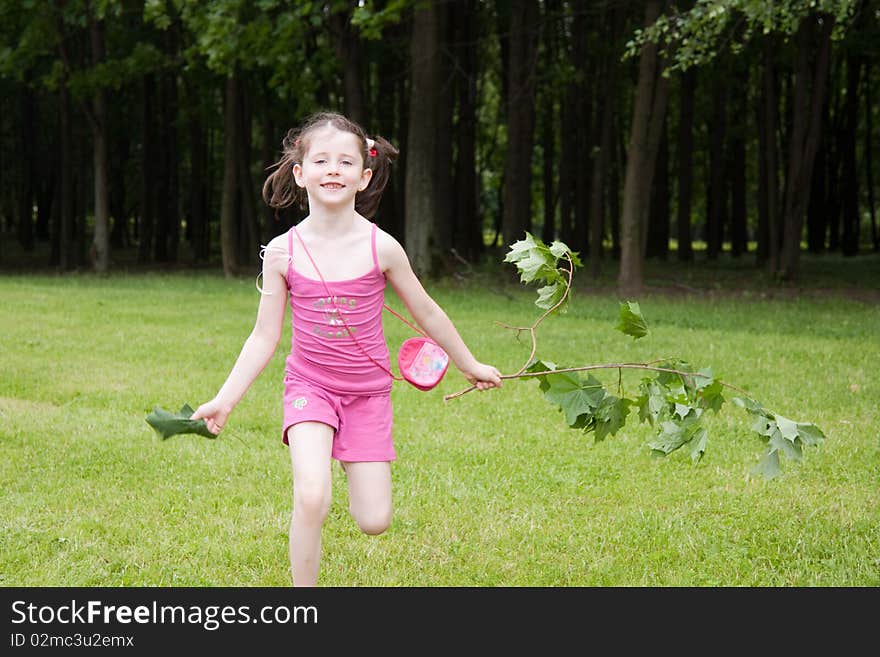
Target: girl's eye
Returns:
[346, 162]
[320, 161]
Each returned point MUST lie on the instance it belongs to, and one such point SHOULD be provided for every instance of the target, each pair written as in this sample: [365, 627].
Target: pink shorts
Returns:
[362, 423]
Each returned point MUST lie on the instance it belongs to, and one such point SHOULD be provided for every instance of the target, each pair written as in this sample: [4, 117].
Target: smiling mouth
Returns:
[332, 186]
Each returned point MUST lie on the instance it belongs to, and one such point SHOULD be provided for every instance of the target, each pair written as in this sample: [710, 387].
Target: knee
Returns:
[374, 521]
[311, 501]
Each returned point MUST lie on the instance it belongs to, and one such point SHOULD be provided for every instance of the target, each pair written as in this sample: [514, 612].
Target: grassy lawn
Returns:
[491, 489]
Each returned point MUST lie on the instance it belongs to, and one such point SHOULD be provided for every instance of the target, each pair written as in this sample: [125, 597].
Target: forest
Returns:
[138, 133]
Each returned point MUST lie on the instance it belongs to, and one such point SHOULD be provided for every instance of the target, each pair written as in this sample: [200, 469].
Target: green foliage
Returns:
[631, 320]
[780, 434]
[538, 262]
[371, 19]
[673, 399]
[695, 36]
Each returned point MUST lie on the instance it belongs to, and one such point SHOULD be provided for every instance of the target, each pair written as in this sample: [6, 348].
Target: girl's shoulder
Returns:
[385, 240]
[389, 250]
[276, 254]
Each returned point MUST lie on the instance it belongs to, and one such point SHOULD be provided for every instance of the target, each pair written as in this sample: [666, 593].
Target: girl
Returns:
[334, 264]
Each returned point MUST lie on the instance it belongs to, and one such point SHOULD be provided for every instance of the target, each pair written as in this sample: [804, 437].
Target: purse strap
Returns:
[342, 315]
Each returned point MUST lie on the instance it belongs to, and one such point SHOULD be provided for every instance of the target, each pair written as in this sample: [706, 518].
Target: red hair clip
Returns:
[373, 152]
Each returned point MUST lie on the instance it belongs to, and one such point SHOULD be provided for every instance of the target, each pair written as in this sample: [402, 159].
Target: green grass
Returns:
[491, 489]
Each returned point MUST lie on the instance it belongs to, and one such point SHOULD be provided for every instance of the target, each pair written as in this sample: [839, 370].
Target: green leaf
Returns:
[167, 424]
[749, 404]
[782, 444]
[537, 366]
[788, 428]
[533, 260]
[550, 295]
[574, 395]
[699, 441]
[768, 467]
[712, 396]
[652, 401]
[610, 415]
[560, 249]
[631, 320]
[671, 436]
[810, 434]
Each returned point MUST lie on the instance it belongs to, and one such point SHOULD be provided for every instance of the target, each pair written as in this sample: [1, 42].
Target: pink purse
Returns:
[422, 362]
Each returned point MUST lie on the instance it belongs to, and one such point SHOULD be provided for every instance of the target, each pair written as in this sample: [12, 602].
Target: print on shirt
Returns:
[334, 308]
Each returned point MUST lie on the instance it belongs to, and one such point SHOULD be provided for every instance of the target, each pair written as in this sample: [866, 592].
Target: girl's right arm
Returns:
[260, 346]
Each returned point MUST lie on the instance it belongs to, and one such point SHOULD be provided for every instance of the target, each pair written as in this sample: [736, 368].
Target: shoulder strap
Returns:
[373, 242]
[341, 314]
[290, 251]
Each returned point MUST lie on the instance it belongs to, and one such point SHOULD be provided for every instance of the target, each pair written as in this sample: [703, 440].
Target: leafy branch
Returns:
[673, 398]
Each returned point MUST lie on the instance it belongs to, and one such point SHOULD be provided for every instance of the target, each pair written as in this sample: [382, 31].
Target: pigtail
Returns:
[379, 156]
[280, 189]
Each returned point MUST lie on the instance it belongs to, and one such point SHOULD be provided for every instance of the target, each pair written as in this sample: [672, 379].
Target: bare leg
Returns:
[310, 445]
[369, 494]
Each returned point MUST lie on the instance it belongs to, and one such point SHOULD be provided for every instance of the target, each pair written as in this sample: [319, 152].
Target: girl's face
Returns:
[332, 170]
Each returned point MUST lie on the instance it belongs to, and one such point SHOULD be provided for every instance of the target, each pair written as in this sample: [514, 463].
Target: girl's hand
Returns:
[483, 376]
[214, 414]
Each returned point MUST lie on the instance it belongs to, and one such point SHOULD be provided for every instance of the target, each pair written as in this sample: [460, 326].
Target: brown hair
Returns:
[280, 189]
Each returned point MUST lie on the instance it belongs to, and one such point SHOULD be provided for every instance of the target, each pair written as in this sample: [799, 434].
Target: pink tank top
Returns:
[321, 349]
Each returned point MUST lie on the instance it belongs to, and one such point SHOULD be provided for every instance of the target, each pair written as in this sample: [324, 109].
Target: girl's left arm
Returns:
[429, 315]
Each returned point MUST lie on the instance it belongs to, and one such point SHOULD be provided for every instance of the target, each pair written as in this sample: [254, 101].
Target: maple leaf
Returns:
[610, 415]
[168, 424]
[574, 395]
[533, 260]
[652, 402]
[768, 466]
[631, 320]
[550, 295]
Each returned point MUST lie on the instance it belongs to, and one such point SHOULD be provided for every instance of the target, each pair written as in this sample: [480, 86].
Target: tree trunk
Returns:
[850, 178]
[100, 250]
[148, 172]
[421, 175]
[823, 194]
[468, 236]
[271, 219]
[649, 110]
[548, 122]
[229, 207]
[27, 169]
[716, 201]
[568, 165]
[347, 42]
[390, 119]
[441, 232]
[119, 153]
[737, 160]
[769, 232]
[658, 226]
[548, 175]
[600, 169]
[160, 179]
[251, 237]
[686, 165]
[198, 215]
[516, 218]
[63, 242]
[804, 138]
[582, 134]
[869, 141]
[172, 151]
